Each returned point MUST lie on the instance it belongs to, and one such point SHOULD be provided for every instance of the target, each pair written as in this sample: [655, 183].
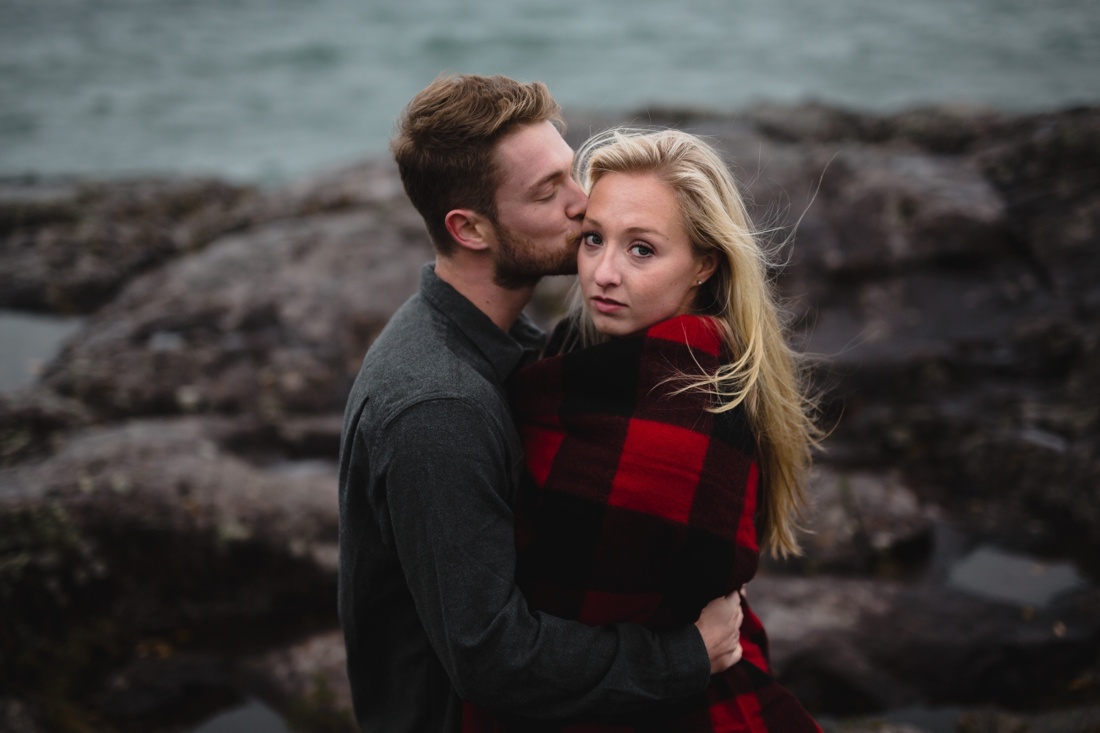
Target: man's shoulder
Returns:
[414, 329]
[420, 357]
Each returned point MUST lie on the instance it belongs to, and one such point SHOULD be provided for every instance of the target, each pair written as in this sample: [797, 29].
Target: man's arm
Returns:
[453, 529]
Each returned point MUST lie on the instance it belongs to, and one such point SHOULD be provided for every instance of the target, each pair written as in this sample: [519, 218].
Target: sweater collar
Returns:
[505, 352]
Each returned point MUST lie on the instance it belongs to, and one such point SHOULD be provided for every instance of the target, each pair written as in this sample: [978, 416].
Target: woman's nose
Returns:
[607, 272]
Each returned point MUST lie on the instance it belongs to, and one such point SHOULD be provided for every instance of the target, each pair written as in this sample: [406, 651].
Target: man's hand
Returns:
[720, 625]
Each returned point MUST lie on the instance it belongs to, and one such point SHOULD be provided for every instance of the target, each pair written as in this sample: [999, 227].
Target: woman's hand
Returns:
[720, 626]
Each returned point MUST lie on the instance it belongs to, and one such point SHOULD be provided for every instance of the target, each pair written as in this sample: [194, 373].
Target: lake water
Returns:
[266, 90]
[29, 341]
[251, 716]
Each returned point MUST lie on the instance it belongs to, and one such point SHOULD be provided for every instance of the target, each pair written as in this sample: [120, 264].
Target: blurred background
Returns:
[265, 90]
[201, 233]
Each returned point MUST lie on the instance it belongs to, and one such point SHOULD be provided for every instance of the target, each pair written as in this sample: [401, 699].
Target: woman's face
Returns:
[636, 264]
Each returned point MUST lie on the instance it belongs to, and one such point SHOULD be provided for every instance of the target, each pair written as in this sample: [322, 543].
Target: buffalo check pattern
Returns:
[639, 506]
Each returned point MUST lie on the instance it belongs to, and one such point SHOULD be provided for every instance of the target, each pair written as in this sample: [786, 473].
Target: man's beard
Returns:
[521, 264]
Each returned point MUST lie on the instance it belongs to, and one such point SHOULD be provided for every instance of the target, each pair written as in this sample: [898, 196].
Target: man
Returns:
[430, 459]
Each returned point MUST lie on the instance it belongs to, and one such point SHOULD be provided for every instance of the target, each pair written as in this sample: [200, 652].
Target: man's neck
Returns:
[474, 280]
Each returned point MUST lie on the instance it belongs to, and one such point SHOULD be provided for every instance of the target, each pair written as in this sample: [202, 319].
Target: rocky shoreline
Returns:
[167, 486]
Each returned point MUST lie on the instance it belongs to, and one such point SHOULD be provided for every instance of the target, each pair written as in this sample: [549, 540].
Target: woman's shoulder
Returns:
[564, 337]
[699, 333]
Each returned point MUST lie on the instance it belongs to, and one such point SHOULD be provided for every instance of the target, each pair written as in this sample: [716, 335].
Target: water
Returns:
[251, 717]
[1004, 576]
[27, 342]
[266, 90]
[1000, 574]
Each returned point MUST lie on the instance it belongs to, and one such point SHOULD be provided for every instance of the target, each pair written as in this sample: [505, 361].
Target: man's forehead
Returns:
[532, 152]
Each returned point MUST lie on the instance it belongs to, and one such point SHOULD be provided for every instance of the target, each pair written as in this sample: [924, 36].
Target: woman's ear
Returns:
[708, 263]
[469, 229]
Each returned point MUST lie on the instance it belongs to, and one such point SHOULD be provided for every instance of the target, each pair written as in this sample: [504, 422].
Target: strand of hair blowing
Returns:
[765, 375]
[767, 379]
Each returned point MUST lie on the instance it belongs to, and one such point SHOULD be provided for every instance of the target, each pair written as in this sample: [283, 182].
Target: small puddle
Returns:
[304, 467]
[251, 717]
[1000, 575]
[30, 341]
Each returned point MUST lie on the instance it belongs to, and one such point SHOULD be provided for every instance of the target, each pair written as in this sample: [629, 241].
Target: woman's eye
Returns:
[592, 239]
[641, 250]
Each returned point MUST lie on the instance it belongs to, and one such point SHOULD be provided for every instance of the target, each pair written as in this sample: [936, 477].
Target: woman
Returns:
[669, 440]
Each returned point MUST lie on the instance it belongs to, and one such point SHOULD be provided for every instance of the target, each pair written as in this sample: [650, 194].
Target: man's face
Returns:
[539, 207]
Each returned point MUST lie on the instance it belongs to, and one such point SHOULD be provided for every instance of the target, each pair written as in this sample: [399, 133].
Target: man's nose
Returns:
[578, 201]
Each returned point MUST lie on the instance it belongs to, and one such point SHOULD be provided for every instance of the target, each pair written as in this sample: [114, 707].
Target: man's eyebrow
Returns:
[548, 178]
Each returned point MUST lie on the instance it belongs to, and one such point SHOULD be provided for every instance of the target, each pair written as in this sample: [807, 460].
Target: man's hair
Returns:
[445, 142]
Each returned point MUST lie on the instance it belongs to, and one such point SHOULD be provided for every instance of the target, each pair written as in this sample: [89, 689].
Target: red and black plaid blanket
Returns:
[640, 507]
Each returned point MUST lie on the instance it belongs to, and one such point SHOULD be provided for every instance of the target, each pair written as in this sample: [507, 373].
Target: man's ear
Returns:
[469, 229]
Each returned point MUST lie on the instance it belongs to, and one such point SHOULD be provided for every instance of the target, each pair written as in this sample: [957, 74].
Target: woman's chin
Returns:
[609, 326]
[618, 329]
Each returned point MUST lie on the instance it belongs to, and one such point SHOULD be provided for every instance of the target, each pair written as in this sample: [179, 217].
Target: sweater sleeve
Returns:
[447, 504]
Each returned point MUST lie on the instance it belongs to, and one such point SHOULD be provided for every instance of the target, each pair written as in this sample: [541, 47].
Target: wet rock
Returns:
[157, 535]
[179, 477]
[1082, 719]
[157, 691]
[309, 680]
[29, 419]
[876, 645]
[1045, 173]
[270, 321]
[364, 184]
[861, 522]
[18, 717]
[68, 245]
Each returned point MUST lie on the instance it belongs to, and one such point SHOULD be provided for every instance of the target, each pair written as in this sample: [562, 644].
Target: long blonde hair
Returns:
[765, 374]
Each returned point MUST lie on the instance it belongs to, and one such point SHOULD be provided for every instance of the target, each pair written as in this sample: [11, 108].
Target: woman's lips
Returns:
[606, 305]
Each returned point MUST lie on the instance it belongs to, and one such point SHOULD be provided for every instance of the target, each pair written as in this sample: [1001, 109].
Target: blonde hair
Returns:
[765, 374]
